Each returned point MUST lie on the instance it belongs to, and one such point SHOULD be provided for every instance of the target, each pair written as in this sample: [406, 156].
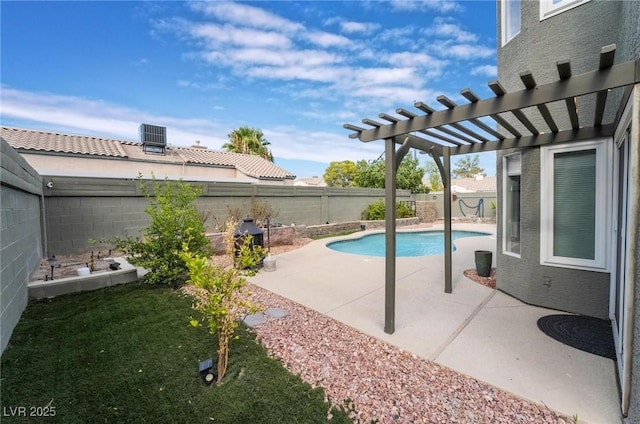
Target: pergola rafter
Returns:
[454, 121]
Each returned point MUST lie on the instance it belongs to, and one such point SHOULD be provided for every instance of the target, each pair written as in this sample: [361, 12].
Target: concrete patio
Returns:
[476, 330]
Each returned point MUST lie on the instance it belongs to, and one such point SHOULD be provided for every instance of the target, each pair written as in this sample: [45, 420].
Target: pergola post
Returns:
[448, 254]
[390, 226]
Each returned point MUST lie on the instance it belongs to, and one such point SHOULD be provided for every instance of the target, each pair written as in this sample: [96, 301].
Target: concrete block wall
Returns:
[463, 204]
[21, 247]
[80, 209]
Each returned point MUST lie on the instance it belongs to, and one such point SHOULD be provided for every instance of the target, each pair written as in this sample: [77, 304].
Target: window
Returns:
[575, 204]
[510, 19]
[511, 205]
[549, 8]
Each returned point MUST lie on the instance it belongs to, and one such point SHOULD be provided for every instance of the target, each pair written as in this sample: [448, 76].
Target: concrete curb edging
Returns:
[98, 280]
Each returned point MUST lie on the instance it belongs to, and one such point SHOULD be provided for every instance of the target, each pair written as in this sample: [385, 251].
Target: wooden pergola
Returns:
[458, 129]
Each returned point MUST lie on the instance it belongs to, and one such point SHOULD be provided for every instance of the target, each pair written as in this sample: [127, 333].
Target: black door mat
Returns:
[592, 335]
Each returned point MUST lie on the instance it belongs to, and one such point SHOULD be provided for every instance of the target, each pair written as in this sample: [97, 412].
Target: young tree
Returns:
[410, 175]
[222, 295]
[372, 174]
[369, 174]
[250, 141]
[468, 167]
[222, 302]
[435, 180]
[340, 174]
[175, 220]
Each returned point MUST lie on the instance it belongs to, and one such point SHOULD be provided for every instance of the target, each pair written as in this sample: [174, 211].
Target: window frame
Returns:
[506, 173]
[504, 16]
[548, 9]
[602, 237]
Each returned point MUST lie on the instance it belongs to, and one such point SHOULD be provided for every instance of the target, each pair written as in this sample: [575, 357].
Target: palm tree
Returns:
[249, 141]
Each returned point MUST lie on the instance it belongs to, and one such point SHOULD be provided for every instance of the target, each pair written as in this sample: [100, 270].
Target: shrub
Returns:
[376, 211]
[174, 221]
[249, 257]
[261, 211]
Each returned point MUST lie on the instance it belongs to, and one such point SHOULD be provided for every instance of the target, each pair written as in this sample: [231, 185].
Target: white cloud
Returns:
[464, 51]
[216, 36]
[94, 117]
[352, 27]
[326, 39]
[427, 65]
[290, 142]
[77, 115]
[302, 63]
[447, 28]
[297, 72]
[392, 95]
[284, 58]
[198, 86]
[398, 36]
[246, 15]
[438, 5]
[369, 77]
[485, 70]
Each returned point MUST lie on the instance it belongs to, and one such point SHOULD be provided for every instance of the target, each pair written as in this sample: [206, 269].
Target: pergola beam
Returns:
[566, 136]
[410, 115]
[607, 56]
[616, 76]
[450, 104]
[530, 83]
[429, 110]
[499, 91]
[473, 98]
[564, 72]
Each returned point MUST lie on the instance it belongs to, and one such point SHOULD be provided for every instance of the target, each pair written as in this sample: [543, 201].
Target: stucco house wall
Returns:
[538, 46]
[577, 35]
[50, 164]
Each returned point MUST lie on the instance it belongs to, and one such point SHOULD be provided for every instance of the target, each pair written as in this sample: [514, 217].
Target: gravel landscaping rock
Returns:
[380, 381]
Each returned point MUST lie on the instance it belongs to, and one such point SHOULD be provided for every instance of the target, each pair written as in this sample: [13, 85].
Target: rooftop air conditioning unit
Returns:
[153, 138]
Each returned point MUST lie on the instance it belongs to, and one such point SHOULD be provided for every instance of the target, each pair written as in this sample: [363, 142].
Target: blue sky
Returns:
[296, 70]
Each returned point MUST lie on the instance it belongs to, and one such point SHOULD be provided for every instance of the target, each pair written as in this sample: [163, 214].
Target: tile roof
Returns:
[65, 143]
[311, 181]
[251, 165]
[476, 185]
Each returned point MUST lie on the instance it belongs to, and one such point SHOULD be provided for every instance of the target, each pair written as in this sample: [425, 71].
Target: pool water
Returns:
[419, 243]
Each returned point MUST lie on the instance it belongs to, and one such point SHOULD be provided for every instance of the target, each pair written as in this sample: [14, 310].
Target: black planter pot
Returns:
[483, 262]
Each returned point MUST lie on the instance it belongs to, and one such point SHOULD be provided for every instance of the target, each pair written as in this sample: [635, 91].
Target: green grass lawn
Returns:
[128, 354]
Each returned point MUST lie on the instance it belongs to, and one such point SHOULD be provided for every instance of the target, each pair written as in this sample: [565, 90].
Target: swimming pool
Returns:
[415, 243]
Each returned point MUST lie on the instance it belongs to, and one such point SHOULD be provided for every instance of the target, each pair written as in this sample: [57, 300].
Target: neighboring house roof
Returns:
[44, 141]
[471, 185]
[311, 181]
[477, 184]
[64, 143]
[251, 165]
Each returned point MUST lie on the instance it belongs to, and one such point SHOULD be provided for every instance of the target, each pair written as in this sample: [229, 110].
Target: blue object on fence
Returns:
[479, 208]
